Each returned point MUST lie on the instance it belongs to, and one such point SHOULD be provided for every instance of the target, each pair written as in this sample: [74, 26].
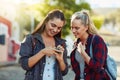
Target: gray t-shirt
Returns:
[81, 62]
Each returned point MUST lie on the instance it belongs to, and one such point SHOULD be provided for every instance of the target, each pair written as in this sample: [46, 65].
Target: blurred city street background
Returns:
[15, 72]
[20, 17]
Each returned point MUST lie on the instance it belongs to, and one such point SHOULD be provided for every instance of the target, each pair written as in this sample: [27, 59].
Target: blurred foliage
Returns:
[98, 21]
[40, 10]
[114, 16]
[23, 19]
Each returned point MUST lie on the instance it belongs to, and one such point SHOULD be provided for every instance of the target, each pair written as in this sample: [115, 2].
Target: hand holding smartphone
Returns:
[59, 49]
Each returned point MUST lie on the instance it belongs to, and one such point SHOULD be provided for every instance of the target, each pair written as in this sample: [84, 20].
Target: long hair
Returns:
[51, 15]
[83, 15]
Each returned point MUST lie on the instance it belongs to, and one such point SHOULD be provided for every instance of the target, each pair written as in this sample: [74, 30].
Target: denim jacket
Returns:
[27, 50]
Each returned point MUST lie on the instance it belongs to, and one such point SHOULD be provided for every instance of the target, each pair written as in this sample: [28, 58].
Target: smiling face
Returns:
[53, 26]
[78, 28]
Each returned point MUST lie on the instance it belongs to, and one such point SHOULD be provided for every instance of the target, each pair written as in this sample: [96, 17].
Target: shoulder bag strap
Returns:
[91, 55]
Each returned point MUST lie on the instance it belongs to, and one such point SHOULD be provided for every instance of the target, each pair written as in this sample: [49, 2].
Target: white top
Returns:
[48, 73]
[81, 62]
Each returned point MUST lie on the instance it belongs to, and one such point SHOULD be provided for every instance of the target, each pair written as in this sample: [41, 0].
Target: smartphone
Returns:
[58, 50]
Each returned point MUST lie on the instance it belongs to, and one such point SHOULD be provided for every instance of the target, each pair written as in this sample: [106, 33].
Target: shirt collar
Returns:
[58, 40]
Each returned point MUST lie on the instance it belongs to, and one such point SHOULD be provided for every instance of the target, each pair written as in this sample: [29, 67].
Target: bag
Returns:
[111, 67]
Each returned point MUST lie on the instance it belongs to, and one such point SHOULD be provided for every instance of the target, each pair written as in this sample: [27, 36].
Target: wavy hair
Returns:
[51, 15]
[84, 16]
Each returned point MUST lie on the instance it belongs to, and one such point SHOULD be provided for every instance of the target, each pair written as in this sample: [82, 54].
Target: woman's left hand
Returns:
[59, 53]
[59, 56]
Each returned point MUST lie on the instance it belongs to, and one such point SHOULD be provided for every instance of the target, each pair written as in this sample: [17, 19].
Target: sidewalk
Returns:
[114, 51]
[11, 63]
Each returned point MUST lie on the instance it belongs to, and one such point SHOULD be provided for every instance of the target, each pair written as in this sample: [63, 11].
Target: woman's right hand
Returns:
[81, 48]
[48, 51]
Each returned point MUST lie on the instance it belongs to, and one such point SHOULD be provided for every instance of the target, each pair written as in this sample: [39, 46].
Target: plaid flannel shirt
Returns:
[95, 69]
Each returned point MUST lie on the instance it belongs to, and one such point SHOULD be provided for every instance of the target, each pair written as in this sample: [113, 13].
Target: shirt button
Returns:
[48, 63]
[40, 74]
[48, 75]
[84, 73]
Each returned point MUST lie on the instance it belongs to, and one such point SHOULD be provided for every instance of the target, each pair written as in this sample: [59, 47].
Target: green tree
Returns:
[39, 11]
[98, 21]
[67, 6]
[23, 19]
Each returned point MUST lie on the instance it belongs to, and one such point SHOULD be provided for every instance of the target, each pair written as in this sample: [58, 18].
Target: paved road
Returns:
[16, 73]
[11, 73]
